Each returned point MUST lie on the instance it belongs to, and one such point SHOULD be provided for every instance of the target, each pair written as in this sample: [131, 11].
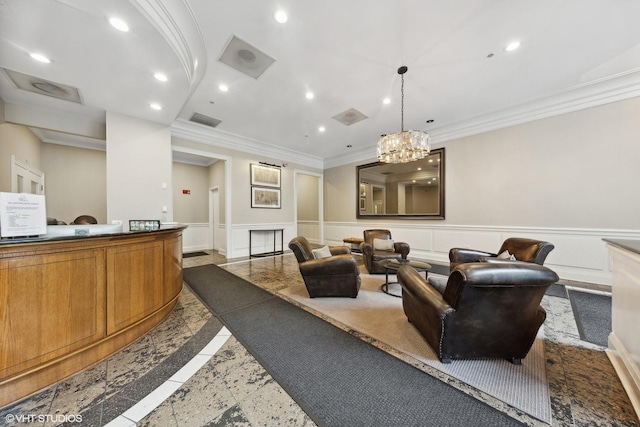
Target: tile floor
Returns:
[190, 371]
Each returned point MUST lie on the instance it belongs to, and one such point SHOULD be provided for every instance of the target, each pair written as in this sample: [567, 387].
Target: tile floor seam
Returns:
[160, 394]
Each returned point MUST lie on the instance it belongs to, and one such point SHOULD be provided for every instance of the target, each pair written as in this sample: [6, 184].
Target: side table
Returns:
[393, 265]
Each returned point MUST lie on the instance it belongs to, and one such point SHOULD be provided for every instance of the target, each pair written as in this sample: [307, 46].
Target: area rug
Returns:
[194, 254]
[593, 316]
[336, 378]
[381, 317]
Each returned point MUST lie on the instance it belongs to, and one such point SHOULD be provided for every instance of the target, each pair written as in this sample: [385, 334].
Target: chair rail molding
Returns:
[579, 254]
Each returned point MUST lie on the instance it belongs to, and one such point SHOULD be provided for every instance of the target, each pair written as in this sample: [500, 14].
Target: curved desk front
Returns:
[68, 303]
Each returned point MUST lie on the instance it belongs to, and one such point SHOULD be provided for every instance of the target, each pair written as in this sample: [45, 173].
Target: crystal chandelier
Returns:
[406, 145]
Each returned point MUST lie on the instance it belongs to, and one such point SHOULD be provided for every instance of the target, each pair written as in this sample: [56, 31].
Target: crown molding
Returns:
[182, 128]
[598, 92]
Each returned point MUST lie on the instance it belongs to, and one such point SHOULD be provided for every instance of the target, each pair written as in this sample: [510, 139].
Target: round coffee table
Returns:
[393, 265]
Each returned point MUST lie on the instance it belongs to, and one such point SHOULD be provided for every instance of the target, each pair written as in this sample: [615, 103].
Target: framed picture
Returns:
[263, 197]
[265, 176]
[363, 203]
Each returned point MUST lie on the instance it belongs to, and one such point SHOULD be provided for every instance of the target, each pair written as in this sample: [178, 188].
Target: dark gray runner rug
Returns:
[593, 316]
[192, 254]
[336, 378]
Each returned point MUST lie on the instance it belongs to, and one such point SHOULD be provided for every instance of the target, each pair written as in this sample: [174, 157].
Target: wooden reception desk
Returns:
[67, 303]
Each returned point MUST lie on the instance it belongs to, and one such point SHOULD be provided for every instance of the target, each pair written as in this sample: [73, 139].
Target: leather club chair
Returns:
[528, 250]
[486, 310]
[334, 276]
[373, 256]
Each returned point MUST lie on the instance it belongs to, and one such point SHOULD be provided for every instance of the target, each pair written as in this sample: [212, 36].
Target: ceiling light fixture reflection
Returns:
[40, 58]
[512, 46]
[321, 129]
[386, 101]
[223, 87]
[281, 16]
[119, 24]
[309, 95]
[161, 77]
[156, 106]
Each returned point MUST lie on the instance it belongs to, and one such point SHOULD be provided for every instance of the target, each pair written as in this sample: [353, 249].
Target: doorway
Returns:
[309, 212]
[214, 218]
[25, 178]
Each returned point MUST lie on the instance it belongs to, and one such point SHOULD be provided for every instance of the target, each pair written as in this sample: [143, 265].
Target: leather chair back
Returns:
[301, 248]
[528, 250]
[369, 235]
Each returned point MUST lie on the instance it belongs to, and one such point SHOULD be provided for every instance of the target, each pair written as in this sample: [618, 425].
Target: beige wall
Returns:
[19, 141]
[576, 170]
[242, 213]
[76, 180]
[139, 160]
[193, 207]
[307, 195]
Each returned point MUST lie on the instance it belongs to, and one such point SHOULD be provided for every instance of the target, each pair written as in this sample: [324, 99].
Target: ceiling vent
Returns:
[245, 58]
[43, 87]
[350, 117]
[205, 120]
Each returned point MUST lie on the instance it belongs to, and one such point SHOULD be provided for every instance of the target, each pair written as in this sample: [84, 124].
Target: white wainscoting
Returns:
[195, 237]
[579, 254]
[260, 242]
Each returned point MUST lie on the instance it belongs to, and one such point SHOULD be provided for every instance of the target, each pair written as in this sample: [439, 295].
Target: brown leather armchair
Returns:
[373, 256]
[486, 310]
[334, 276]
[528, 250]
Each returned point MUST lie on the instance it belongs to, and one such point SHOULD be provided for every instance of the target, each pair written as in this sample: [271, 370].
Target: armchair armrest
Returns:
[422, 292]
[463, 256]
[338, 264]
[339, 250]
[402, 248]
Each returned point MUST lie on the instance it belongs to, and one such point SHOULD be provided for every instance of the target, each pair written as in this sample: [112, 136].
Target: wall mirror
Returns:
[402, 190]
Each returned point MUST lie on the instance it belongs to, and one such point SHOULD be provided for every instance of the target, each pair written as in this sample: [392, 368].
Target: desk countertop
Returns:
[627, 244]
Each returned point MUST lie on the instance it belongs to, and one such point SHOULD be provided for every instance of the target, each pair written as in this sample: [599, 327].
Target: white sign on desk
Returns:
[22, 214]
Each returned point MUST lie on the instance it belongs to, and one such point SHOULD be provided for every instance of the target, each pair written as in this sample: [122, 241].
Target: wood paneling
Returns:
[67, 304]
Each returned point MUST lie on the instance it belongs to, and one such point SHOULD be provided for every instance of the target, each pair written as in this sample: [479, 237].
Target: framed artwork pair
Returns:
[265, 186]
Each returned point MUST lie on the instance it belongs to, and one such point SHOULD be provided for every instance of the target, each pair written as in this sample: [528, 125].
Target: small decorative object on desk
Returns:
[144, 224]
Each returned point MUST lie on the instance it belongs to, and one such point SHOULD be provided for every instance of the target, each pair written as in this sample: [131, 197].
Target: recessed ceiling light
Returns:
[223, 87]
[309, 95]
[281, 16]
[156, 106]
[40, 57]
[321, 129]
[119, 24]
[512, 46]
[160, 76]
[386, 101]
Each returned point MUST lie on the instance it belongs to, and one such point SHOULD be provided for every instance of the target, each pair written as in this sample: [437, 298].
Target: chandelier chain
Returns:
[402, 103]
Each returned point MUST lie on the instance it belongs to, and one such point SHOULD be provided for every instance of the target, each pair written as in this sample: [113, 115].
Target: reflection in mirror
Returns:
[414, 189]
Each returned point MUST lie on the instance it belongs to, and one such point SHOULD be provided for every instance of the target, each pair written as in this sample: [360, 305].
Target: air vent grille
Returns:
[205, 120]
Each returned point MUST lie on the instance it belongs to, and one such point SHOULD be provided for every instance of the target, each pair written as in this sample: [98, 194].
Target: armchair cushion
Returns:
[322, 252]
[383, 245]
